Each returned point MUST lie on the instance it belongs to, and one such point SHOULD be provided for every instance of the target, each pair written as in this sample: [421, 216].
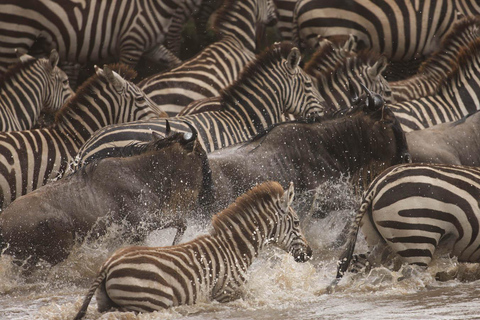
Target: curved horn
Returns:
[168, 130]
[370, 101]
[193, 130]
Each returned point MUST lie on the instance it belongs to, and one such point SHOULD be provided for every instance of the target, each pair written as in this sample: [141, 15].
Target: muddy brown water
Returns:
[277, 287]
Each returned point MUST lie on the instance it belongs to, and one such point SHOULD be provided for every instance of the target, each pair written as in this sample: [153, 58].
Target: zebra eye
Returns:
[65, 82]
[296, 223]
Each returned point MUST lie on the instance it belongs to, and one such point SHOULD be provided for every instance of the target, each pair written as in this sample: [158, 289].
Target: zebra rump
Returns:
[414, 209]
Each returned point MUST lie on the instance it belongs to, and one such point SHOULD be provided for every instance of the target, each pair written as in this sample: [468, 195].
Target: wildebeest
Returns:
[210, 267]
[455, 142]
[151, 183]
[358, 143]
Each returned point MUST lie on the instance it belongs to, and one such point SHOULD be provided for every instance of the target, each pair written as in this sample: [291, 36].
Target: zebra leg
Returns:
[161, 55]
[179, 224]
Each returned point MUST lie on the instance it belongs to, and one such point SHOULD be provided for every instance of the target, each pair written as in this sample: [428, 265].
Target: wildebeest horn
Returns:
[370, 100]
[167, 128]
[193, 130]
[352, 91]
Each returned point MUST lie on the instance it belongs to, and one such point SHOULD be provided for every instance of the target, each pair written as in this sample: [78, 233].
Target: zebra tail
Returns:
[83, 310]
[347, 254]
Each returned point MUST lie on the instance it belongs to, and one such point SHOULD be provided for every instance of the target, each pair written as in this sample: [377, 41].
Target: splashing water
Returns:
[277, 286]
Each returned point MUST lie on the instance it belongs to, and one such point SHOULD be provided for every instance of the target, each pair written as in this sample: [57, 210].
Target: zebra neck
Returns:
[261, 96]
[238, 20]
[26, 106]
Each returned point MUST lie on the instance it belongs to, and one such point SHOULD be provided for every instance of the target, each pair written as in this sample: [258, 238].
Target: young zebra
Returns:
[218, 65]
[416, 208]
[270, 86]
[29, 87]
[29, 159]
[209, 267]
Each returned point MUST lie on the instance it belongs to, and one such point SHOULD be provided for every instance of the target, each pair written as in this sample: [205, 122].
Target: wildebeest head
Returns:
[383, 140]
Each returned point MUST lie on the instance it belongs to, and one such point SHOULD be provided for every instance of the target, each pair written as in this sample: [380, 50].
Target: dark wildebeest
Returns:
[455, 142]
[156, 180]
[358, 143]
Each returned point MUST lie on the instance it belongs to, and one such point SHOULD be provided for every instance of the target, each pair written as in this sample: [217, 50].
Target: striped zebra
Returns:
[272, 85]
[458, 96]
[85, 31]
[218, 65]
[29, 87]
[334, 68]
[400, 29]
[413, 209]
[29, 159]
[285, 18]
[437, 67]
[210, 267]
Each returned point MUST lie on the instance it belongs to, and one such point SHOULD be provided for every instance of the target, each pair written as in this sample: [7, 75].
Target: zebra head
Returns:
[128, 94]
[377, 83]
[302, 96]
[288, 235]
[58, 90]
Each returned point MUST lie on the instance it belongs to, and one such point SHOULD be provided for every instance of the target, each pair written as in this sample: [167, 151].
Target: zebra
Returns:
[29, 87]
[29, 159]
[86, 31]
[285, 18]
[218, 65]
[268, 87]
[333, 68]
[413, 209]
[457, 97]
[437, 67]
[402, 30]
[210, 267]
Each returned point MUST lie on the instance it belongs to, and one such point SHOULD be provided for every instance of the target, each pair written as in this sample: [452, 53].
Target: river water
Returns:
[277, 288]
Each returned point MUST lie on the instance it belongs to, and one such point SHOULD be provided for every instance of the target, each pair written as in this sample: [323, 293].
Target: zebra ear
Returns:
[53, 59]
[287, 197]
[23, 57]
[293, 59]
[114, 78]
[98, 71]
[351, 44]
[378, 68]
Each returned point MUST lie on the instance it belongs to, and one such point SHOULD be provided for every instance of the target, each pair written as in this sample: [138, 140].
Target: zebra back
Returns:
[457, 97]
[209, 72]
[31, 158]
[29, 87]
[285, 18]
[210, 267]
[271, 86]
[397, 28]
[437, 67]
[68, 26]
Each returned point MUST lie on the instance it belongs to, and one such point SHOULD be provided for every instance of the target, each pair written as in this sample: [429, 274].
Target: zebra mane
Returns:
[253, 200]
[467, 55]
[326, 50]
[270, 56]
[80, 95]
[15, 69]
[222, 13]
[466, 25]
[363, 58]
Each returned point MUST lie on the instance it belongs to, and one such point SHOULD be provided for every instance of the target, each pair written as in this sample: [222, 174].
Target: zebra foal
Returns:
[212, 266]
[416, 208]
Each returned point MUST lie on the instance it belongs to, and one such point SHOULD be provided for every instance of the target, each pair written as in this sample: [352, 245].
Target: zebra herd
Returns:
[234, 132]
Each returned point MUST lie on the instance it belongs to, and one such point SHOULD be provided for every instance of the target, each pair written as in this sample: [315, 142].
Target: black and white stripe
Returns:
[285, 18]
[218, 65]
[29, 87]
[29, 159]
[416, 208]
[399, 29]
[458, 96]
[85, 31]
[269, 87]
[438, 67]
[210, 267]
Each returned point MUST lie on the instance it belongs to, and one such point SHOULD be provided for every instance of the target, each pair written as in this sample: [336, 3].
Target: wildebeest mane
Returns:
[269, 57]
[88, 86]
[253, 200]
